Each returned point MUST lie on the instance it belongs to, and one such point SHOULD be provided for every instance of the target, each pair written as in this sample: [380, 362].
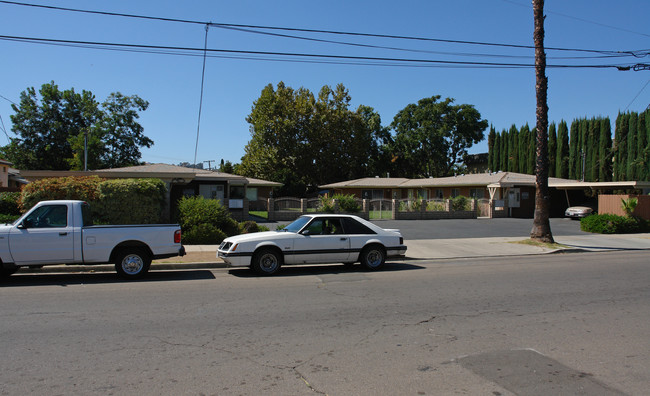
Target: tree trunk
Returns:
[541, 226]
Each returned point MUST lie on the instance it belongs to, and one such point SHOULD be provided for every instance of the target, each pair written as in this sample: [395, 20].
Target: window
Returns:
[237, 192]
[372, 194]
[477, 193]
[455, 192]
[47, 216]
[353, 227]
[439, 193]
[251, 193]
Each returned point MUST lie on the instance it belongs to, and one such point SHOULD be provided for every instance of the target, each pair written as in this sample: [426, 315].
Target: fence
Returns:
[289, 209]
[612, 204]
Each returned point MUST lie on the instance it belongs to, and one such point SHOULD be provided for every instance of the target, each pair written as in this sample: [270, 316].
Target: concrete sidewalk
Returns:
[204, 256]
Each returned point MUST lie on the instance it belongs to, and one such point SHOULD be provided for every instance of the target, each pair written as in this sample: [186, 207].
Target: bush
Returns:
[131, 201]
[10, 203]
[205, 221]
[613, 224]
[8, 218]
[460, 203]
[82, 188]
[435, 206]
[346, 203]
[248, 227]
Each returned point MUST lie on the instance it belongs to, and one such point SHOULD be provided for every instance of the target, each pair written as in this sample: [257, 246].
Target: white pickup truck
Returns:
[61, 232]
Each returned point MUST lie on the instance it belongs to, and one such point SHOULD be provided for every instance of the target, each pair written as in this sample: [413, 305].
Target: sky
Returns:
[232, 81]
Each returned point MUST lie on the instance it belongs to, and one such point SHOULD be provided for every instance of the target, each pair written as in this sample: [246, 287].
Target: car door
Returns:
[45, 236]
[322, 241]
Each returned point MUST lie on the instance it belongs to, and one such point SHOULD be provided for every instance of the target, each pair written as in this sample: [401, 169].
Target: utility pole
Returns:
[209, 163]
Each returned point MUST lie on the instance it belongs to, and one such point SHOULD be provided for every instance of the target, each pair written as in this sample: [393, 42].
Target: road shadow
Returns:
[323, 269]
[70, 279]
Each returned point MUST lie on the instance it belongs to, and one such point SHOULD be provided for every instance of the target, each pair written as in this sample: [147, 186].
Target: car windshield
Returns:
[297, 224]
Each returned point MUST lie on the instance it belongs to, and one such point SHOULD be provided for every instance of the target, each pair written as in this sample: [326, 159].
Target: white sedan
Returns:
[314, 239]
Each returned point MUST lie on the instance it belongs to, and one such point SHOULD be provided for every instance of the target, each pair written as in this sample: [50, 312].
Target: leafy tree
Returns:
[303, 141]
[432, 136]
[52, 125]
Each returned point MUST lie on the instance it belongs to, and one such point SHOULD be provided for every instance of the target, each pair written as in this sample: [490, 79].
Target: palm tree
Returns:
[541, 226]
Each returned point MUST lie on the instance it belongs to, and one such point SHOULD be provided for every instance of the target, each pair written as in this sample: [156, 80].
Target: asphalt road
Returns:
[536, 325]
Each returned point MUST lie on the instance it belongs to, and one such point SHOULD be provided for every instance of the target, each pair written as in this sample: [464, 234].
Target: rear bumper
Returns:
[181, 252]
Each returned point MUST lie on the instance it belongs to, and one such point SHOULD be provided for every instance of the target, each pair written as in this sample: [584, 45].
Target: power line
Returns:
[103, 45]
[320, 31]
[637, 95]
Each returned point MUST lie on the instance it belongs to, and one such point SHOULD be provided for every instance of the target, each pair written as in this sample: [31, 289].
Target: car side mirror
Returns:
[306, 233]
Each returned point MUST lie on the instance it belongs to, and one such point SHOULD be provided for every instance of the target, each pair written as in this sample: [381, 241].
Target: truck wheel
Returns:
[132, 263]
[267, 262]
[373, 257]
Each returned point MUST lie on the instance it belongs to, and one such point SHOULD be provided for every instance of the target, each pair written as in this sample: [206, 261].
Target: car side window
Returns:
[353, 227]
[47, 217]
[325, 227]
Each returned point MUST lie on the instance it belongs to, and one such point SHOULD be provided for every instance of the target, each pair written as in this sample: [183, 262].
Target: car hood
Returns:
[259, 236]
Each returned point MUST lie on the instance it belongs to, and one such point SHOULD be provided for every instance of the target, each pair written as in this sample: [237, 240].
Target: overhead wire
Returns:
[102, 45]
[644, 52]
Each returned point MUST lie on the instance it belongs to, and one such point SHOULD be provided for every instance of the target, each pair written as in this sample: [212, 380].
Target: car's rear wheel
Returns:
[132, 263]
[267, 262]
[373, 257]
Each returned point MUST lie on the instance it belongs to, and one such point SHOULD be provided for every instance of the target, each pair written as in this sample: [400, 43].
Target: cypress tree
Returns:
[513, 149]
[604, 150]
[591, 149]
[532, 151]
[641, 145]
[582, 142]
[573, 149]
[496, 159]
[562, 157]
[504, 151]
[491, 137]
[632, 133]
[552, 149]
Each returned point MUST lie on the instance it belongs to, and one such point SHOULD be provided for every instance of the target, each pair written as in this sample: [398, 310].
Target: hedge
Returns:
[115, 201]
[613, 224]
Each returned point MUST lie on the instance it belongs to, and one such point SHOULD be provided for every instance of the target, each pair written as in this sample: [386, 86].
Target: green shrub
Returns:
[8, 218]
[131, 201]
[84, 188]
[460, 203]
[248, 227]
[613, 224]
[205, 221]
[435, 206]
[346, 203]
[10, 203]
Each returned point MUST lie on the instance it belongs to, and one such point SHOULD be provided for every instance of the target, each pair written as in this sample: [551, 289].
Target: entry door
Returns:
[46, 237]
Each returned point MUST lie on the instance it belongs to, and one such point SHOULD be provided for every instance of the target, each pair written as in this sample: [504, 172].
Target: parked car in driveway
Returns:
[577, 212]
[312, 239]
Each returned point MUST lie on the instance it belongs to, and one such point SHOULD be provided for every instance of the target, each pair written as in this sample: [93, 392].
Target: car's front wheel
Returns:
[267, 262]
[373, 257]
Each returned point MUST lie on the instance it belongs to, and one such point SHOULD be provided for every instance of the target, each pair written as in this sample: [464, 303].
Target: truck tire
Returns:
[132, 263]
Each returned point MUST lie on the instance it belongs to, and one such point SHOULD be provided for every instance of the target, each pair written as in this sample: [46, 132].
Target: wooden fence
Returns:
[613, 204]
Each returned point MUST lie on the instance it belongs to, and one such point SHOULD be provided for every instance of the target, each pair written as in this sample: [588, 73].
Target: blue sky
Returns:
[171, 83]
